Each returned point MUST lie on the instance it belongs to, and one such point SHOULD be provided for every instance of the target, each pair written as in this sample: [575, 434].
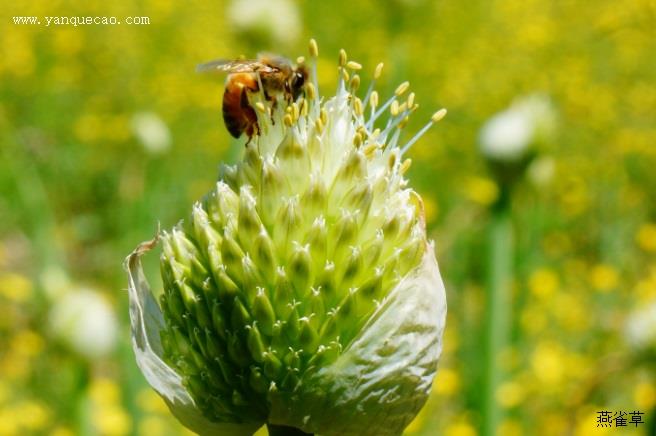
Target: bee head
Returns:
[297, 82]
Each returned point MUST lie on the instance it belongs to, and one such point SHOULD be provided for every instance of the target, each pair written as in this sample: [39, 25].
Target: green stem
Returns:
[281, 430]
[82, 406]
[498, 309]
[37, 219]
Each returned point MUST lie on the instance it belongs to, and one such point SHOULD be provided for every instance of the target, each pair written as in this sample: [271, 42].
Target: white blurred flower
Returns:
[277, 19]
[152, 132]
[508, 135]
[85, 321]
[640, 328]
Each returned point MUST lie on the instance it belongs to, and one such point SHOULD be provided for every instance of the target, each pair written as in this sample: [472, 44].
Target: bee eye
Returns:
[298, 80]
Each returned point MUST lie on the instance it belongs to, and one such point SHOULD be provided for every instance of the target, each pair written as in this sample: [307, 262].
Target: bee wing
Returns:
[274, 60]
[236, 66]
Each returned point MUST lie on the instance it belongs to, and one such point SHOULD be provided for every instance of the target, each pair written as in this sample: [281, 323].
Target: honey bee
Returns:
[276, 74]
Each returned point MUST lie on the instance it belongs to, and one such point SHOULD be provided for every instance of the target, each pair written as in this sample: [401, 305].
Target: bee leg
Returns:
[252, 130]
[270, 98]
[249, 117]
[273, 108]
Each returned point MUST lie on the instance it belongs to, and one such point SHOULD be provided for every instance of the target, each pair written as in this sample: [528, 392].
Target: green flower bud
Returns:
[255, 343]
[272, 365]
[317, 239]
[226, 287]
[283, 294]
[263, 312]
[263, 253]
[300, 269]
[258, 381]
[303, 290]
[314, 198]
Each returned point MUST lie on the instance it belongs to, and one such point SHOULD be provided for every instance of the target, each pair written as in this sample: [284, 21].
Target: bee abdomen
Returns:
[238, 115]
[232, 118]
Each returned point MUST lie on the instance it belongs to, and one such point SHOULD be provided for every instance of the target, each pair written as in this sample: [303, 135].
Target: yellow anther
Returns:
[394, 108]
[411, 100]
[314, 48]
[373, 99]
[378, 71]
[345, 76]
[304, 107]
[357, 106]
[260, 107]
[357, 140]
[353, 65]
[403, 87]
[391, 161]
[342, 57]
[370, 150]
[355, 83]
[311, 91]
[405, 166]
[437, 116]
[287, 120]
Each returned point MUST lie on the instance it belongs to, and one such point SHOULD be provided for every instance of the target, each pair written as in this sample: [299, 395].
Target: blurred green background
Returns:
[106, 131]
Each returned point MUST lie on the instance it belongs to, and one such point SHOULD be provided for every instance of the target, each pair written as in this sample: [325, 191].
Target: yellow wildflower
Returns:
[15, 287]
[547, 362]
[510, 427]
[481, 190]
[460, 429]
[644, 395]
[604, 277]
[543, 283]
[112, 421]
[510, 394]
[646, 237]
[105, 392]
[447, 382]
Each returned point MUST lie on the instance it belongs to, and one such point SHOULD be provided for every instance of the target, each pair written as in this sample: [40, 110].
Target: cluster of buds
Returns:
[302, 291]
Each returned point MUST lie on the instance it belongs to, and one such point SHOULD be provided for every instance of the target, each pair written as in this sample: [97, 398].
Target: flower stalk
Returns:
[498, 312]
[509, 141]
